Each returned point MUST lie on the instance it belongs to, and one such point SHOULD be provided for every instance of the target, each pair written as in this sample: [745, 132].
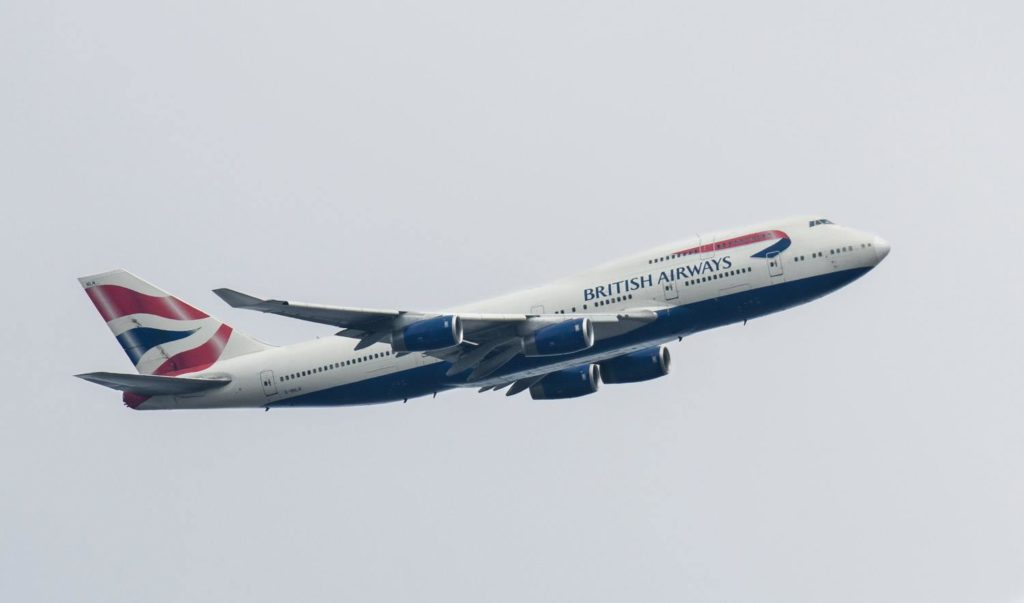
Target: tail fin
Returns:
[161, 334]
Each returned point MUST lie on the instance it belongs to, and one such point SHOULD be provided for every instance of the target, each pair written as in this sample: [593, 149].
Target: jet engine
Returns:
[563, 338]
[636, 366]
[427, 335]
[567, 383]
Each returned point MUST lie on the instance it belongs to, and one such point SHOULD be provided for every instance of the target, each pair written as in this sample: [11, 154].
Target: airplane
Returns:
[563, 340]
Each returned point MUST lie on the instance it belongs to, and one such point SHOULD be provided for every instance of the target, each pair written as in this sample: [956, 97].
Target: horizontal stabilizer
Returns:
[153, 385]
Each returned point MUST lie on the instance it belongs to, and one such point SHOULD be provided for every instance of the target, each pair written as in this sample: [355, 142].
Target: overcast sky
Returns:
[866, 447]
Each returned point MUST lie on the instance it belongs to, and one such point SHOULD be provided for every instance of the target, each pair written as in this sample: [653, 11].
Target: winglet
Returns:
[236, 299]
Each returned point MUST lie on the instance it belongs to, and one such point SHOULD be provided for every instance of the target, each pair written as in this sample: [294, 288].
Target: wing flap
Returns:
[524, 384]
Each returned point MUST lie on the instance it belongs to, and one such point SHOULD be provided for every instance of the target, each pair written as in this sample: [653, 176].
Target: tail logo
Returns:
[198, 358]
[136, 342]
[114, 301]
[162, 335]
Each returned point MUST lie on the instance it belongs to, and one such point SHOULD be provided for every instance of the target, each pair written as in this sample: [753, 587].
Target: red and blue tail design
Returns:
[161, 334]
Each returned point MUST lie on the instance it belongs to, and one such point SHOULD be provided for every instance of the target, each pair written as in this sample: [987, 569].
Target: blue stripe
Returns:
[780, 246]
[671, 323]
[140, 340]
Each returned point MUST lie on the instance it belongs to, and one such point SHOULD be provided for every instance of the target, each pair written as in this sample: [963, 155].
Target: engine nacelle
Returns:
[563, 338]
[568, 383]
[430, 334]
[637, 366]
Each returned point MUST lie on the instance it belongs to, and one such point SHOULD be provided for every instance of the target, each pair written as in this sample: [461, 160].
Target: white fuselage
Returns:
[694, 284]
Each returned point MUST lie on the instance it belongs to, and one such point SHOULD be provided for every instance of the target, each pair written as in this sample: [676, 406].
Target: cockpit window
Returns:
[814, 223]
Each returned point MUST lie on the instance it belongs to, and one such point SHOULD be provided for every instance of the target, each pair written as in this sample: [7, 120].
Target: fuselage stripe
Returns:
[740, 241]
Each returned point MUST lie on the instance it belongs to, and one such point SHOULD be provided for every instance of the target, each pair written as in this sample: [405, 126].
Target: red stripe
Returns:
[198, 358]
[114, 301]
[750, 239]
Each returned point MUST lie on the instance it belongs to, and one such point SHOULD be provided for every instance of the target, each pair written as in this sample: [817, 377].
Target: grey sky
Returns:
[866, 447]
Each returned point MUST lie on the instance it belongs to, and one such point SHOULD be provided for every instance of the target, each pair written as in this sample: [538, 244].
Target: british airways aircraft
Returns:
[609, 324]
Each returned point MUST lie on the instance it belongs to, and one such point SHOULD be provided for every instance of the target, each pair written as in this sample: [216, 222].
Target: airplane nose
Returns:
[882, 248]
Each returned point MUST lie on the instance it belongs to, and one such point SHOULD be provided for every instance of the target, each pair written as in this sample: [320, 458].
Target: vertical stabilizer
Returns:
[161, 334]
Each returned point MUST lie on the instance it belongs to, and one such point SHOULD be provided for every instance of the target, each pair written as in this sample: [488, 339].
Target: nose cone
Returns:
[881, 247]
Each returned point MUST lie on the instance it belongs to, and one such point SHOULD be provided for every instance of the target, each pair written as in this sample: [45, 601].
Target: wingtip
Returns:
[96, 377]
[236, 299]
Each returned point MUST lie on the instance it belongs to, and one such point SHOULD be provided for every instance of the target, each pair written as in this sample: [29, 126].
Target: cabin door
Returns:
[269, 387]
[774, 264]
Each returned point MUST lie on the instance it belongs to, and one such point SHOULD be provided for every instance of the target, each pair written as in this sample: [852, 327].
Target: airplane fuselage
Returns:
[693, 285]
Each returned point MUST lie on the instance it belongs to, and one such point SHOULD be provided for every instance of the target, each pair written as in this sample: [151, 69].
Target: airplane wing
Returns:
[153, 385]
[367, 325]
[491, 340]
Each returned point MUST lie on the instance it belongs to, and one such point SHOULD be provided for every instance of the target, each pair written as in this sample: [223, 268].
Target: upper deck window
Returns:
[814, 223]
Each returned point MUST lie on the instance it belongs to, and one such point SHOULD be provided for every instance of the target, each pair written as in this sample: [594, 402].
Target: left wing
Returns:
[369, 326]
[487, 341]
